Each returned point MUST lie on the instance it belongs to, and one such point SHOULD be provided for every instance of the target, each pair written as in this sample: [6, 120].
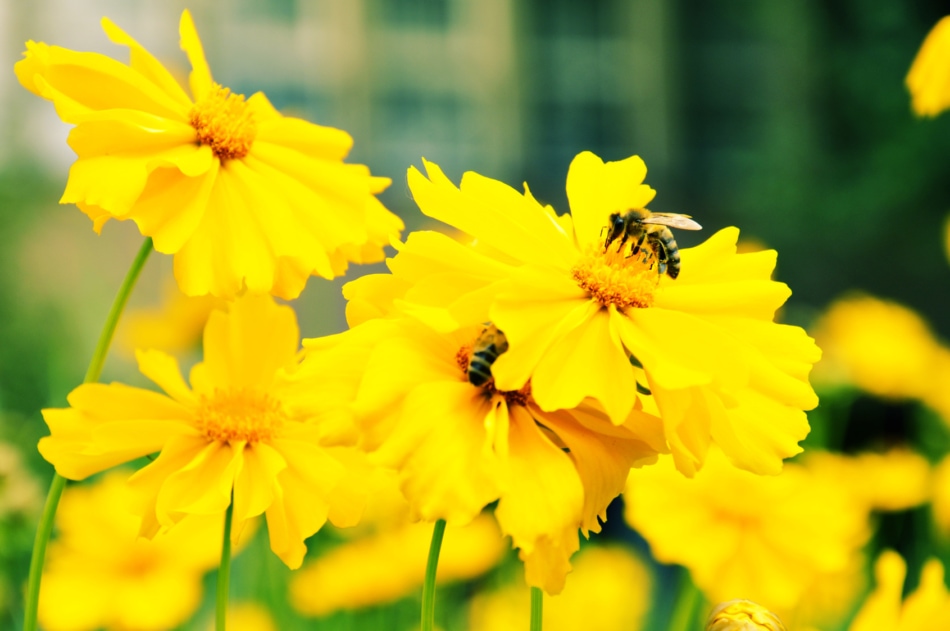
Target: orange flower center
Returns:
[615, 276]
[240, 414]
[224, 122]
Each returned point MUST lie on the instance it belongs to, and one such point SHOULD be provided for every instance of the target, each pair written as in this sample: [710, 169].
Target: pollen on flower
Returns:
[224, 122]
[242, 414]
[612, 276]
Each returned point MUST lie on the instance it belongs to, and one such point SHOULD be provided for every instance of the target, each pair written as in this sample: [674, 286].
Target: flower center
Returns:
[239, 414]
[224, 123]
[615, 276]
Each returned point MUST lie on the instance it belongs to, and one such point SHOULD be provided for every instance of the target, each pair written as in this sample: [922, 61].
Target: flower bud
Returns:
[743, 615]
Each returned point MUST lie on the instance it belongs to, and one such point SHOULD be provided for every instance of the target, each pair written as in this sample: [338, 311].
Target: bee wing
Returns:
[673, 220]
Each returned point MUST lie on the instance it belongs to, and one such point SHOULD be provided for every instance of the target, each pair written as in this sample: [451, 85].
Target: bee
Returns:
[640, 226]
[490, 344]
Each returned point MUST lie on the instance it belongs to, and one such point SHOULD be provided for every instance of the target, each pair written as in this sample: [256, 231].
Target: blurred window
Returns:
[285, 10]
[587, 18]
[432, 14]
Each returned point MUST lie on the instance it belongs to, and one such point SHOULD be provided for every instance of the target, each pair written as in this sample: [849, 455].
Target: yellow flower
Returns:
[459, 447]
[927, 609]
[941, 495]
[174, 326]
[929, 77]
[577, 314]
[766, 538]
[243, 196]
[880, 346]
[100, 574]
[608, 590]
[241, 425]
[896, 480]
[743, 615]
[389, 565]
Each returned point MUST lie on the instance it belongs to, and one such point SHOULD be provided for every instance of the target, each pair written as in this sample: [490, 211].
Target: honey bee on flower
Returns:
[687, 334]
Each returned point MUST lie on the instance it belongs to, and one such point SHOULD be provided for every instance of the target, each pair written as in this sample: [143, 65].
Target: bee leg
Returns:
[639, 245]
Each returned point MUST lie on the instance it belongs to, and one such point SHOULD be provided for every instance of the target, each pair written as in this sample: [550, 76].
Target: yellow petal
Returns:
[163, 369]
[200, 77]
[494, 213]
[203, 486]
[300, 508]
[256, 483]
[83, 82]
[589, 361]
[143, 61]
[445, 472]
[929, 77]
[309, 139]
[172, 206]
[535, 311]
[248, 345]
[595, 190]
[542, 504]
[602, 461]
[145, 419]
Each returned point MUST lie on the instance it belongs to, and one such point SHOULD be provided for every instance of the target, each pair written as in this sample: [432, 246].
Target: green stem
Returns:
[684, 610]
[224, 570]
[537, 608]
[59, 482]
[428, 588]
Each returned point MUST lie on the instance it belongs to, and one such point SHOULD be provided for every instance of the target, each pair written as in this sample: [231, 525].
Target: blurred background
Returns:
[787, 118]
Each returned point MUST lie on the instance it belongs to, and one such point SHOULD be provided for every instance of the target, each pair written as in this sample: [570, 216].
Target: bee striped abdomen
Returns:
[479, 368]
[489, 345]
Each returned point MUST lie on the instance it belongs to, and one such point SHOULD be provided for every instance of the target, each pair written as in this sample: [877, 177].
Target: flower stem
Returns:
[428, 588]
[684, 610]
[537, 605]
[224, 570]
[45, 527]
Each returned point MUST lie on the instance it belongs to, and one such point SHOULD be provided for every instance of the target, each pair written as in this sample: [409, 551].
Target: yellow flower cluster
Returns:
[524, 369]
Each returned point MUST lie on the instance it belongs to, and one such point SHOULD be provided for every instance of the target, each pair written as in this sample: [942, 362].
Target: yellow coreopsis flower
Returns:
[929, 77]
[880, 346]
[240, 427]
[927, 609]
[459, 447]
[586, 317]
[102, 575]
[608, 590]
[241, 195]
[765, 538]
[896, 480]
[389, 565]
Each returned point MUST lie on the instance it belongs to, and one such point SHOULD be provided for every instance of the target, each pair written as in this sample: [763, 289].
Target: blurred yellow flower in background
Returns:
[589, 322]
[895, 480]
[926, 609]
[458, 447]
[609, 589]
[101, 574]
[880, 346]
[173, 327]
[941, 496]
[241, 195]
[240, 426]
[381, 568]
[929, 77]
[743, 615]
[247, 616]
[768, 539]
[20, 493]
